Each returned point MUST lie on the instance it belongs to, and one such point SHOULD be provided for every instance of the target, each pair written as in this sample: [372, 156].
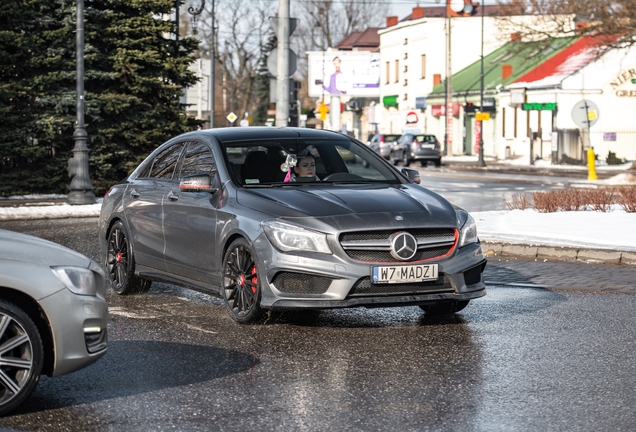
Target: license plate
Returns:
[402, 274]
[428, 146]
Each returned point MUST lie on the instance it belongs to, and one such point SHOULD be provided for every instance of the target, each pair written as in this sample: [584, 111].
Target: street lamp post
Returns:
[81, 189]
[480, 161]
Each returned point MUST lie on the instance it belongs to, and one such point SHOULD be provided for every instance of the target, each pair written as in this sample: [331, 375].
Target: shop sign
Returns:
[420, 102]
[517, 96]
[626, 93]
[439, 111]
[538, 106]
[609, 136]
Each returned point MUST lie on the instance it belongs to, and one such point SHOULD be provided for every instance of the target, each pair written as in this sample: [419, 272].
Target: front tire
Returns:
[120, 263]
[241, 290]
[445, 307]
[22, 359]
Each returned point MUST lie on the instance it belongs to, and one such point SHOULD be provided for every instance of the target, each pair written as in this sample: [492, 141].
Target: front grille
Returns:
[375, 246]
[364, 288]
[301, 283]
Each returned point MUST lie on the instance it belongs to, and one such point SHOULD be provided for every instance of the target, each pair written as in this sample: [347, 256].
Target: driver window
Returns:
[165, 162]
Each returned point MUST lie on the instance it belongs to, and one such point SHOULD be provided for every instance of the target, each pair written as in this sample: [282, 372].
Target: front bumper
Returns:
[329, 281]
[79, 327]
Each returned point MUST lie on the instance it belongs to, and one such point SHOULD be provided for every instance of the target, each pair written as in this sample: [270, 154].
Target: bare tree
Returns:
[612, 21]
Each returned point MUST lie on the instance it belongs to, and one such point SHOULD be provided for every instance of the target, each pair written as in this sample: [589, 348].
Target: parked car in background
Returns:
[211, 210]
[383, 144]
[421, 148]
[53, 314]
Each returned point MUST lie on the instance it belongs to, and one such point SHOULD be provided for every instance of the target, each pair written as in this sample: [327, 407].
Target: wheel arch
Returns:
[32, 308]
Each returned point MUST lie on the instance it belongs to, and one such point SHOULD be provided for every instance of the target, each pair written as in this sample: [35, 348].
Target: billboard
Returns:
[351, 73]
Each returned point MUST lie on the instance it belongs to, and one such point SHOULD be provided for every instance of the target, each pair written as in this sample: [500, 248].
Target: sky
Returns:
[613, 230]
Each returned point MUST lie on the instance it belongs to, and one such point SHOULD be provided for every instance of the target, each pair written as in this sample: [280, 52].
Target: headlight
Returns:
[468, 230]
[292, 238]
[79, 280]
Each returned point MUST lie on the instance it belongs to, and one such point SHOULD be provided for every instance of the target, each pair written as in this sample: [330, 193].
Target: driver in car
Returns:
[305, 167]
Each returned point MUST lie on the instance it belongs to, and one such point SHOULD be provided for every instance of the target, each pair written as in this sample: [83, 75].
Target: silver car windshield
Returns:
[299, 162]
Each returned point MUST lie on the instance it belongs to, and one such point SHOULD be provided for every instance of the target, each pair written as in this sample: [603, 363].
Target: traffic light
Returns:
[461, 8]
[294, 86]
[470, 108]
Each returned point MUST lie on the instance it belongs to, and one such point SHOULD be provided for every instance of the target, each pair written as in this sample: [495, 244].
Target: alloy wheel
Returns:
[240, 284]
[117, 258]
[17, 365]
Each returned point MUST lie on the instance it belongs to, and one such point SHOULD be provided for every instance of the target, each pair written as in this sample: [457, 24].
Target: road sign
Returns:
[231, 117]
[244, 123]
[273, 22]
[272, 62]
[481, 116]
[585, 114]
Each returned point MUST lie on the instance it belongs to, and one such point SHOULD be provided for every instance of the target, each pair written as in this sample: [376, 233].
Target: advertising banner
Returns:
[351, 73]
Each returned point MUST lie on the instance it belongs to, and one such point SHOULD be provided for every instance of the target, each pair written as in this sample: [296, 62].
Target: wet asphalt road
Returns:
[518, 359]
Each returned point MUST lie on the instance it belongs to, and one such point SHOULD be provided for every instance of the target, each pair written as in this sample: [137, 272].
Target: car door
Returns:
[189, 219]
[143, 207]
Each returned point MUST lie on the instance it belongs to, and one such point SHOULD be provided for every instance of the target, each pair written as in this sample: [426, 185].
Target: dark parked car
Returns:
[422, 148]
[383, 144]
[211, 210]
[53, 314]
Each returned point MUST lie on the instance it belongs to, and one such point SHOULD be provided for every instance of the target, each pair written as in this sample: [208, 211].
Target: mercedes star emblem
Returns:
[403, 246]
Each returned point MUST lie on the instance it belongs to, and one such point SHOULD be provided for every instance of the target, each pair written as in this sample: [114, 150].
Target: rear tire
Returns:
[120, 263]
[445, 307]
[21, 366]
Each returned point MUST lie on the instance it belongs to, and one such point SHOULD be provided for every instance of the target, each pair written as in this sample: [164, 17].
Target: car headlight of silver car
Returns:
[293, 238]
[77, 279]
[467, 230]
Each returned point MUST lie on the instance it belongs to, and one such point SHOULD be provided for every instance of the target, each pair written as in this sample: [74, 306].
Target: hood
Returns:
[354, 206]
[25, 248]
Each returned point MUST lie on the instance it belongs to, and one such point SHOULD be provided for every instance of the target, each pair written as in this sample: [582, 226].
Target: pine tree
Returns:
[134, 76]
[263, 76]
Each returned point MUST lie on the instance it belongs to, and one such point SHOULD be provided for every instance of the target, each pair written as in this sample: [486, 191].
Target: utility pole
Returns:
[448, 137]
[282, 75]
[212, 61]
[480, 161]
[81, 188]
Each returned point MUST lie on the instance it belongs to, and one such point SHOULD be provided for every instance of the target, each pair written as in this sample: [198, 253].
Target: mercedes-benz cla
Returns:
[230, 212]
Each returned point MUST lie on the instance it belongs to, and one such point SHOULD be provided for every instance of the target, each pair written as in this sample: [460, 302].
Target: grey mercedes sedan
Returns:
[280, 219]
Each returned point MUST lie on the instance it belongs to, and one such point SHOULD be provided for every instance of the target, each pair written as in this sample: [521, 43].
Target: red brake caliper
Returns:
[118, 257]
[254, 279]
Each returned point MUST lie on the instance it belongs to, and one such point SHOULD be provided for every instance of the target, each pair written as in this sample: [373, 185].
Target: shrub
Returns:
[600, 200]
[611, 159]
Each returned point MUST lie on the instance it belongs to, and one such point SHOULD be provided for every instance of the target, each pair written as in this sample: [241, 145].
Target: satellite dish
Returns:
[457, 5]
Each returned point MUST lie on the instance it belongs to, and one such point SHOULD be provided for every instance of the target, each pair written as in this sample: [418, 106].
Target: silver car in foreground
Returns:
[53, 314]
[212, 210]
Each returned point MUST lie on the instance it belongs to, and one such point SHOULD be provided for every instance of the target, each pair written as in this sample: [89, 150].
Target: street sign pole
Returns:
[282, 75]
[480, 161]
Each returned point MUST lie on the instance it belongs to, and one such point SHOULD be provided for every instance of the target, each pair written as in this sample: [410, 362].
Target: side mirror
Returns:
[197, 183]
[412, 174]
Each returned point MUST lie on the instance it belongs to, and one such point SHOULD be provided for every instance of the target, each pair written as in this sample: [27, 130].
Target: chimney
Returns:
[437, 78]
[515, 37]
[418, 12]
[506, 71]
[391, 21]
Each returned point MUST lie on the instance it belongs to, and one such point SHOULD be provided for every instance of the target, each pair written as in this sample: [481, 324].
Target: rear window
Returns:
[426, 138]
[391, 138]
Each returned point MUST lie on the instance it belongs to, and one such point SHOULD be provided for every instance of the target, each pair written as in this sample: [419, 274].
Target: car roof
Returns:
[261, 132]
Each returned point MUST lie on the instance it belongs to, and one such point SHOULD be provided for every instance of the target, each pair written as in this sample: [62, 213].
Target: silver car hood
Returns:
[25, 248]
[354, 206]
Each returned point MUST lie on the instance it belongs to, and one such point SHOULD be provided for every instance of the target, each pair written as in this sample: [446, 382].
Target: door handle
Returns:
[134, 193]
[173, 196]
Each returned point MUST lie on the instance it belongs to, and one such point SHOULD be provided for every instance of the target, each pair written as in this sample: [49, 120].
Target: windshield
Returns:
[295, 162]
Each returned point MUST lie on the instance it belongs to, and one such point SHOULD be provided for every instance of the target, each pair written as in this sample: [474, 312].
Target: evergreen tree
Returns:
[134, 76]
[261, 85]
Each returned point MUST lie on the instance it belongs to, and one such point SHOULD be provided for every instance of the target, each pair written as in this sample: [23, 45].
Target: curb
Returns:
[557, 253]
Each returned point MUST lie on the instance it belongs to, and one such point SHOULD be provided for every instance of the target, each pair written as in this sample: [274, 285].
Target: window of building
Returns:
[406, 41]
[388, 72]
[406, 82]
[406, 68]
[397, 71]
[406, 96]
[423, 66]
[406, 56]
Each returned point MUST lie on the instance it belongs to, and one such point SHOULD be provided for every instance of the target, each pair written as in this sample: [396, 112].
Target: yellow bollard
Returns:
[591, 165]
